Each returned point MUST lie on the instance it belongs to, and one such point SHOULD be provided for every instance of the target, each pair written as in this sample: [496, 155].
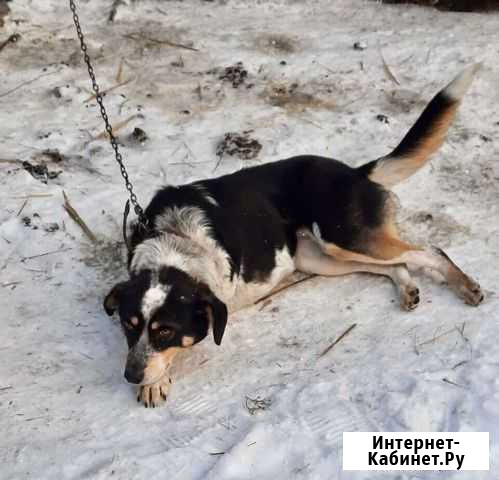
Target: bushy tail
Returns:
[425, 137]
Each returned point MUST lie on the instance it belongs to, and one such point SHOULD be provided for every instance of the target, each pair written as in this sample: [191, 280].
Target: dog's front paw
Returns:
[154, 394]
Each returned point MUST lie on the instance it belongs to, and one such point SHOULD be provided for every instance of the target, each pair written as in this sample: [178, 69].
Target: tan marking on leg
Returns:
[385, 246]
[414, 257]
[311, 259]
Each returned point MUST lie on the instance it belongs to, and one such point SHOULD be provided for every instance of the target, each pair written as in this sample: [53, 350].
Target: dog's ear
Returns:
[217, 314]
[112, 300]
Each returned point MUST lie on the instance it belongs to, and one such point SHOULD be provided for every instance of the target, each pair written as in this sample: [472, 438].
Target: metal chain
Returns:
[112, 139]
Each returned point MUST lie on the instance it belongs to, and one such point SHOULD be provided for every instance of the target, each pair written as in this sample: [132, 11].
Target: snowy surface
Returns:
[65, 409]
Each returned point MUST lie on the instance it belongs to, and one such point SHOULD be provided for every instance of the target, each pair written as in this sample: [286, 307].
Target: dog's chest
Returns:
[240, 293]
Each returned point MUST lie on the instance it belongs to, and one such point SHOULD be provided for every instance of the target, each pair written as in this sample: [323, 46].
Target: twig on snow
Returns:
[76, 217]
[434, 339]
[338, 340]
[388, 70]
[110, 89]
[140, 36]
[118, 126]
[119, 75]
[45, 254]
[28, 82]
[450, 382]
[284, 287]
[22, 207]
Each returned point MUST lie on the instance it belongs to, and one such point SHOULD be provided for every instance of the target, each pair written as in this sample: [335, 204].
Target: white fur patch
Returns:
[195, 252]
[460, 85]
[248, 293]
[153, 299]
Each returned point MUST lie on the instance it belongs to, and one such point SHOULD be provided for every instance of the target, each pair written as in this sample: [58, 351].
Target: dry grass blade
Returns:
[437, 337]
[110, 89]
[28, 82]
[140, 36]
[33, 195]
[76, 217]
[118, 126]
[338, 340]
[388, 70]
[119, 75]
[9, 160]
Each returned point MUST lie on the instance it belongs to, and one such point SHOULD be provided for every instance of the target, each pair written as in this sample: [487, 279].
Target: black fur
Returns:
[261, 208]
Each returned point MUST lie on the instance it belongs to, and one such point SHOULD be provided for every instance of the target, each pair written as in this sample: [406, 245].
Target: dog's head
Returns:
[162, 312]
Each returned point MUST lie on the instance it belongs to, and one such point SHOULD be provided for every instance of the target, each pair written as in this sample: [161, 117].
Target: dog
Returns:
[217, 245]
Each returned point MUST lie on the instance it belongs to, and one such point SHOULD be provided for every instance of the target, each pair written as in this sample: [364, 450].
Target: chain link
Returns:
[109, 129]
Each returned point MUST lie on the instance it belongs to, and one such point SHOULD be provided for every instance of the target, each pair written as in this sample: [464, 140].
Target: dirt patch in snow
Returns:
[239, 145]
[277, 43]
[292, 97]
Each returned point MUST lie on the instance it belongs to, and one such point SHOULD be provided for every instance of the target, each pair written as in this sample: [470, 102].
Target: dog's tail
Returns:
[424, 138]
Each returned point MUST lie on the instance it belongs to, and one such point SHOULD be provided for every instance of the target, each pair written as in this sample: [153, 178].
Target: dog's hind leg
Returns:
[385, 249]
[311, 259]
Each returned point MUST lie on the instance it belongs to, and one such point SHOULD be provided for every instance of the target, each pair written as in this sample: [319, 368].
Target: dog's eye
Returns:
[166, 333]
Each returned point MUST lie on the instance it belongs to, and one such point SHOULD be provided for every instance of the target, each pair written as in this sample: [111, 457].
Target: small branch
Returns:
[140, 36]
[450, 382]
[338, 340]
[284, 287]
[76, 217]
[8, 387]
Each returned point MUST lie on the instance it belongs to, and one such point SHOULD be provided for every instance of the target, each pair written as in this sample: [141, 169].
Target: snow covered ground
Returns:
[65, 409]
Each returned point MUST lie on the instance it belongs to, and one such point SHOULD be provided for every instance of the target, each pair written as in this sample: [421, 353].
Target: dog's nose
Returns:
[134, 376]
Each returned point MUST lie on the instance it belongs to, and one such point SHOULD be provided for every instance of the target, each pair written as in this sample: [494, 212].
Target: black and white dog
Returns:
[220, 244]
